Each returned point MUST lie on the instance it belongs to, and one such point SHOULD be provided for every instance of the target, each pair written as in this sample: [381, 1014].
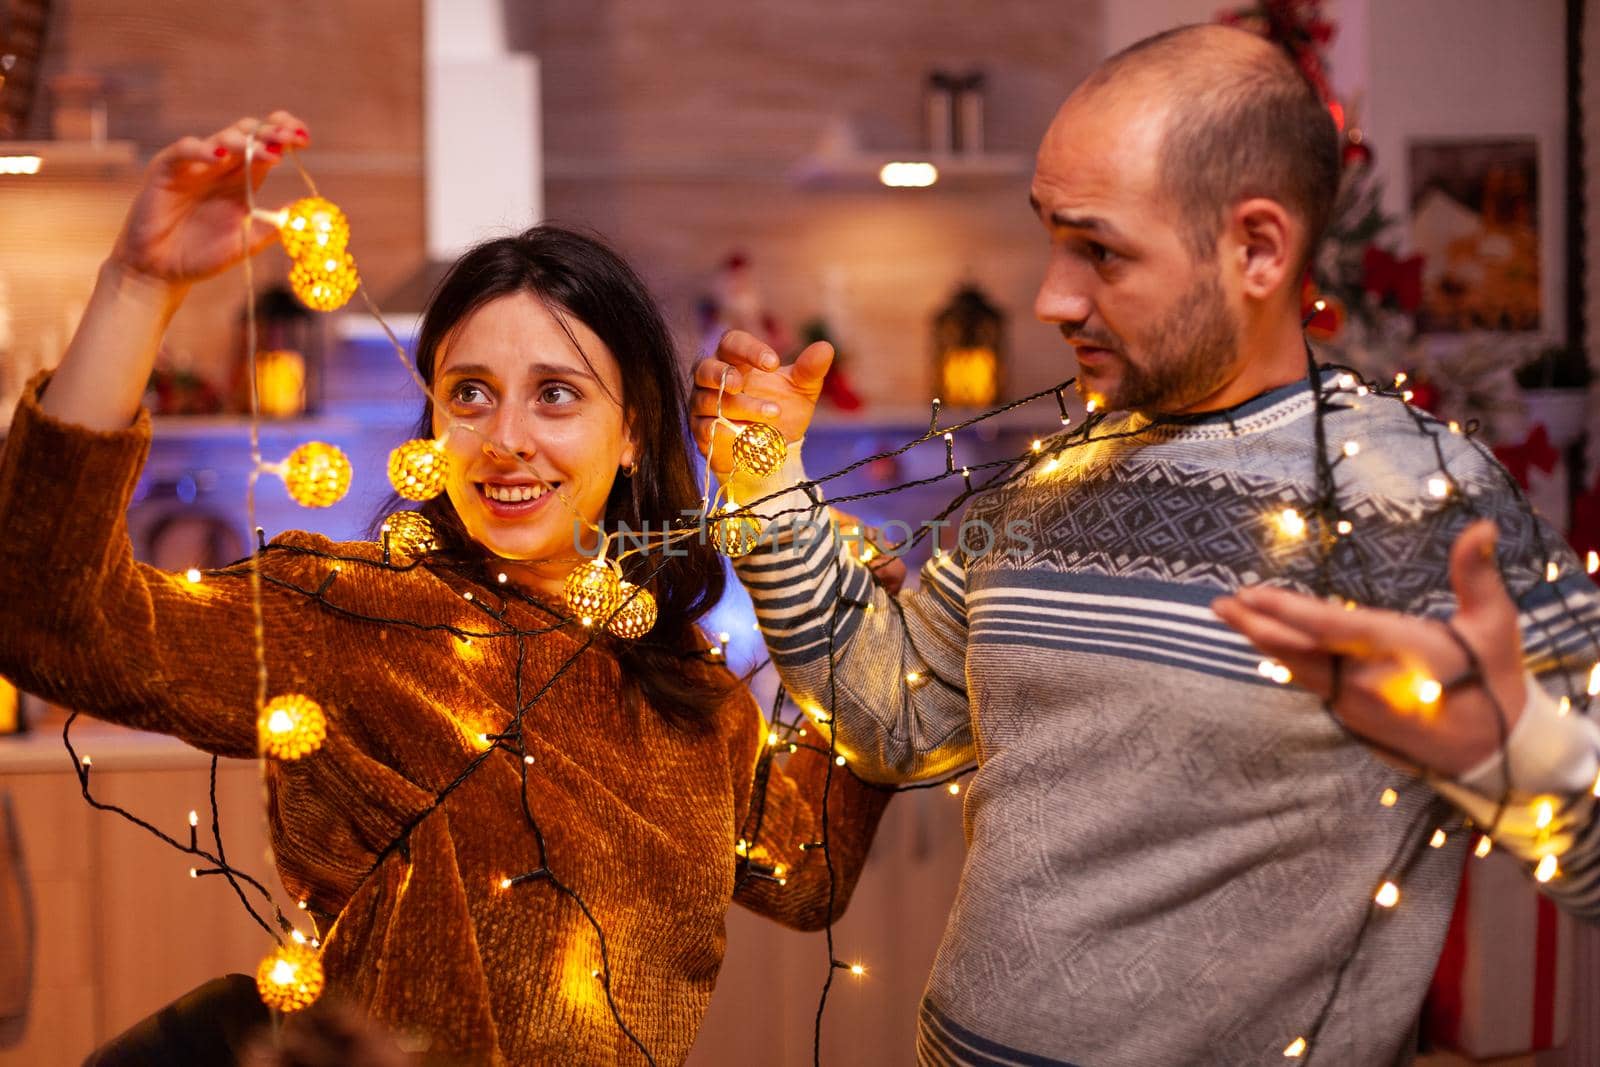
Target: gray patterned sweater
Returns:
[1171, 858]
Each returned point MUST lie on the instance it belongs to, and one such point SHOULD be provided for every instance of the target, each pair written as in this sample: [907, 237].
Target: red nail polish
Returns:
[301, 131]
[274, 148]
[220, 152]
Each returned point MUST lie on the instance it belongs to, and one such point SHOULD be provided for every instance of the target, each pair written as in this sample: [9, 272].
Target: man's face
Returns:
[1152, 328]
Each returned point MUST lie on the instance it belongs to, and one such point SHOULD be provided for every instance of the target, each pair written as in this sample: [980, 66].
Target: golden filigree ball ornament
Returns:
[313, 226]
[735, 535]
[593, 590]
[290, 978]
[325, 281]
[759, 449]
[291, 726]
[635, 613]
[411, 534]
[317, 474]
[417, 469]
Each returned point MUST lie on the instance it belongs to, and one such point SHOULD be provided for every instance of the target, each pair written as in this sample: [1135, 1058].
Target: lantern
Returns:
[290, 978]
[969, 350]
[417, 469]
[291, 726]
[411, 534]
[317, 474]
[636, 613]
[593, 590]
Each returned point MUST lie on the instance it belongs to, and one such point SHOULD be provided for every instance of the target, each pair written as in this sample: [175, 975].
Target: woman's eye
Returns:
[468, 393]
[555, 393]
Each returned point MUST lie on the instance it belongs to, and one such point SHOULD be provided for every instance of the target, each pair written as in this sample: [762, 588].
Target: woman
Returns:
[609, 782]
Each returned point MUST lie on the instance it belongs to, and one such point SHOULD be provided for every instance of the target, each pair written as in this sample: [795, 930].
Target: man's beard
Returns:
[1190, 349]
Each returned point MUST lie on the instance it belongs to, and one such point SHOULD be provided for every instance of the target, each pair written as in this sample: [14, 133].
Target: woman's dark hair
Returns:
[578, 275]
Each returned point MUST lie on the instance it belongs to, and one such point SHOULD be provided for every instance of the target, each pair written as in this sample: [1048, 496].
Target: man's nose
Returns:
[1062, 298]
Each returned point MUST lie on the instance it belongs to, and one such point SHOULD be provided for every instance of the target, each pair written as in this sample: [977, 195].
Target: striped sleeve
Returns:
[889, 672]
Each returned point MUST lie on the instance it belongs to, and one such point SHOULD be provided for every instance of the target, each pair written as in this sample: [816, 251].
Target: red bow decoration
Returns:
[1536, 451]
[1385, 275]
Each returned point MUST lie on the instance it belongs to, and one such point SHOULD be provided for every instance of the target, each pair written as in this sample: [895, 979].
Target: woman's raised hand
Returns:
[186, 223]
[754, 387]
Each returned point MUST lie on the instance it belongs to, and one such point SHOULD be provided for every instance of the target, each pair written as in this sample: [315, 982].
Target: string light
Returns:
[1344, 527]
[325, 282]
[290, 978]
[1352, 448]
[1564, 706]
[1481, 849]
[1438, 487]
[312, 226]
[1594, 680]
[1291, 523]
[759, 449]
[735, 535]
[636, 615]
[412, 534]
[1546, 870]
[593, 590]
[857, 970]
[1388, 895]
[1428, 691]
[1277, 672]
[290, 727]
[1552, 571]
[1437, 840]
[1544, 813]
[955, 789]
[1389, 798]
[1296, 1049]
[317, 474]
[1591, 562]
[418, 469]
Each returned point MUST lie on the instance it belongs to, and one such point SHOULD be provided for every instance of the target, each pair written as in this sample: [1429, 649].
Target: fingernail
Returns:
[769, 409]
[274, 147]
[769, 360]
[220, 152]
[301, 131]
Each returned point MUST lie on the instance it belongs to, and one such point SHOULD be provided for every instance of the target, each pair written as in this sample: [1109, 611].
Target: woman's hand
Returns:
[755, 388]
[1387, 659]
[187, 220]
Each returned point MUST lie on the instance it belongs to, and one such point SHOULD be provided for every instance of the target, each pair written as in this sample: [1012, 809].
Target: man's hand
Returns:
[755, 387]
[1389, 659]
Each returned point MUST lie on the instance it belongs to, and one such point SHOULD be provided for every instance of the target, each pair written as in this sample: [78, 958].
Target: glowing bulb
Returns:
[505, 883]
[1388, 798]
[1438, 487]
[759, 449]
[1037, 444]
[528, 760]
[411, 534]
[1275, 671]
[1344, 527]
[1544, 813]
[290, 978]
[955, 789]
[913, 678]
[1455, 427]
[1437, 840]
[417, 469]
[325, 282]
[1481, 849]
[908, 175]
[1347, 381]
[501, 578]
[1291, 523]
[1591, 562]
[857, 970]
[1362, 390]
[1594, 680]
[636, 613]
[87, 761]
[1400, 379]
[772, 738]
[593, 590]
[317, 475]
[1428, 691]
[1408, 396]
[735, 535]
[1552, 571]
[1546, 870]
[1296, 1049]
[313, 226]
[291, 726]
[192, 575]
[194, 872]
[20, 164]
[194, 818]
[839, 760]
[1092, 406]
[1352, 448]
[1388, 895]
[1564, 706]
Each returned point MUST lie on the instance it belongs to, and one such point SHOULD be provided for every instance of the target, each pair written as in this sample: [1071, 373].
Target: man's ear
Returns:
[1260, 242]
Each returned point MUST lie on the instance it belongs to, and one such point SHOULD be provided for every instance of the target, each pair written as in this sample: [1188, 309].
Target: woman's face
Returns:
[539, 410]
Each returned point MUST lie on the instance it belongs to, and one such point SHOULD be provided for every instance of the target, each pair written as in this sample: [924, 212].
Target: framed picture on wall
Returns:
[1475, 219]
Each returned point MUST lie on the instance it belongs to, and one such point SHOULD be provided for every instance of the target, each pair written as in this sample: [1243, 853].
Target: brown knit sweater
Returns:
[639, 818]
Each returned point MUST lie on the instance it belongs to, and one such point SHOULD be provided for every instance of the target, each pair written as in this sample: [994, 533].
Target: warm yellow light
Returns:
[317, 474]
[1455, 427]
[325, 282]
[1347, 381]
[192, 575]
[839, 760]
[1591, 562]
[1296, 1049]
[20, 164]
[194, 818]
[1437, 840]
[636, 614]
[505, 883]
[1438, 487]
[1092, 406]
[1564, 706]
[759, 449]
[1544, 813]
[772, 738]
[1546, 870]
[1428, 691]
[1352, 448]
[417, 469]
[1552, 571]
[313, 226]
[899, 175]
[1291, 523]
[1037, 444]
[1388, 798]
[1408, 396]
[1594, 680]
[411, 534]
[86, 761]
[1400, 379]
[290, 727]
[1344, 527]
[290, 978]
[738, 535]
[1388, 895]
[857, 970]
[1362, 390]
[955, 789]
[1481, 849]
[593, 589]
[1055, 462]
[1274, 670]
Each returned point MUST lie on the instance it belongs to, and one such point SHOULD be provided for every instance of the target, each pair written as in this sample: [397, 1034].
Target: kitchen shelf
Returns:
[73, 158]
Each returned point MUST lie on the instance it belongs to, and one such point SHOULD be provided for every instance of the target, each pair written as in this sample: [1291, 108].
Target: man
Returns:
[1173, 858]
